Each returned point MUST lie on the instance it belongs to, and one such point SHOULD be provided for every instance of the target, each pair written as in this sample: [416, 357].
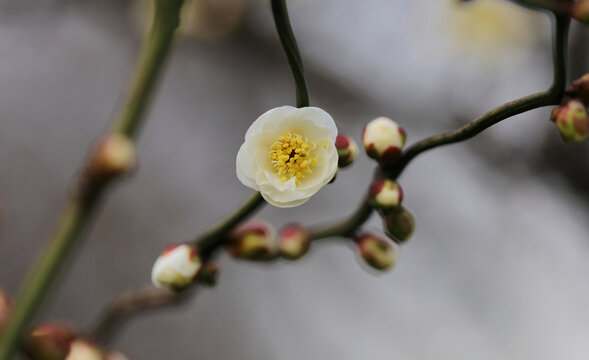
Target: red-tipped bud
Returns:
[49, 341]
[252, 240]
[81, 349]
[399, 224]
[572, 121]
[5, 309]
[580, 89]
[113, 156]
[376, 252]
[580, 11]
[385, 194]
[293, 241]
[347, 150]
[383, 140]
[176, 268]
[208, 274]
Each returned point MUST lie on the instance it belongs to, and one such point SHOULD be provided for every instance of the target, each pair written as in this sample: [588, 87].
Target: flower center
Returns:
[291, 156]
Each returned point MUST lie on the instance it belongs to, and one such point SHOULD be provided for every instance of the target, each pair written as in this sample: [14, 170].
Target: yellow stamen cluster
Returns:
[291, 156]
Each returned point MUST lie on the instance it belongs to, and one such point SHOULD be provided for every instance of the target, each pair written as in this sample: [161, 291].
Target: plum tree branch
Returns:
[552, 96]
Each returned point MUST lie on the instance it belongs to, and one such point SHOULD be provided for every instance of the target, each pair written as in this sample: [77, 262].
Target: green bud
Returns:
[399, 224]
[376, 252]
[572, 122]
[208, 274]
[252, 240]
[293, 241]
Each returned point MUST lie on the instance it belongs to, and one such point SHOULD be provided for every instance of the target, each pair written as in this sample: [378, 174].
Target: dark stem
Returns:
[552, 96]
[289, 44]
[129, 303]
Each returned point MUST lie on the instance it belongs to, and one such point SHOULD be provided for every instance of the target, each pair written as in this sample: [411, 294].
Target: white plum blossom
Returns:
[176, 268]
[289, 154]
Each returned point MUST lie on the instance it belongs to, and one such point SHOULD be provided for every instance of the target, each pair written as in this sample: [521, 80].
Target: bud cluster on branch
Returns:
[288, 154]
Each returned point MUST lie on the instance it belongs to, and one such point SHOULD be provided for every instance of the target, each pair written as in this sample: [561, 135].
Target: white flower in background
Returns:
[176, 268]
[289, 154]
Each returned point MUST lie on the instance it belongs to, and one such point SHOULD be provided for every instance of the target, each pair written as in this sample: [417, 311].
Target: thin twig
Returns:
[128, 303]
[289, 44]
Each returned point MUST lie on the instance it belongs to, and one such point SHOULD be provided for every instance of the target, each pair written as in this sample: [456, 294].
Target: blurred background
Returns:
[497, 267]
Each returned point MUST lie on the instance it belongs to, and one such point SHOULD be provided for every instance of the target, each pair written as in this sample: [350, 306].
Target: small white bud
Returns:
[176, 268]
[385, 194]
[383, 140]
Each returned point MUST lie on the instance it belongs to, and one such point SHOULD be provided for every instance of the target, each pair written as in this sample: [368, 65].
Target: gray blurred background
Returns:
[497, 267]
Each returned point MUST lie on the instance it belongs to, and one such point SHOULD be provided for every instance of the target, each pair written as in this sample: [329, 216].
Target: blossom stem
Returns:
[345, 227]
[552, 96]
[289, 44]
[209, 241]
[131, 302]
[85, 200]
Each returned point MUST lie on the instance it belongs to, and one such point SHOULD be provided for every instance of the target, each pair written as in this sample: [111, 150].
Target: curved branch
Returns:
[129, 303]
[552, 96]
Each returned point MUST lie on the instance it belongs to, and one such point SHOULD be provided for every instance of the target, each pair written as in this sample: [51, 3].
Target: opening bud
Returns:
[293, 241]
[176, 268]
[5, 308]
[572, 121]
[385, 194]
[383, 140]
[81, 349]
[580, 89]
[399, 224]
[113, 155]
[376, 252]
[208, 274]
[347, 150]
[252, 240]
[49, 341]
[580, 11]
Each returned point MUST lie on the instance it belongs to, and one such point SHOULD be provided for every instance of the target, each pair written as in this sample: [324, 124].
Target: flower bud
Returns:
[580, 11]
[176, 268]
[81, 349]
[580, 89]
[383, 140]
[49, 341]
[385, 194]
[113, 155]
[252, 240]
[208, 274]
[5, 309]
[347, 150]
[399, 224]
[293, 241]
[376, 252]
[572, 122]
